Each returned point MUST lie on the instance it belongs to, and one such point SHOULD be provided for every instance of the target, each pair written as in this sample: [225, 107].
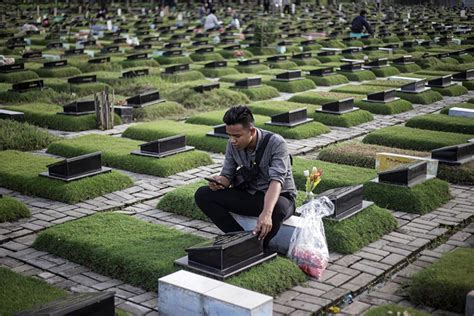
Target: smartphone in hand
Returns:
[215, 181]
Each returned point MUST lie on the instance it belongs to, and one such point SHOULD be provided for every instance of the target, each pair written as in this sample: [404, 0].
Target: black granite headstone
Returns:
[135, 73]
[120, 40]
[12, 68]
[32, 54]
[385, 96]
[465, 75]
[351, 50]
[249, 82]
[172, 45]
[28, 85]
[145, 99]
[207, 87]
[88, 43]
[125, 113]
[248, 62]
[200, 43]
[176, 68]
[99, 60]
[276, 58]
[405, 175]
[352, 66]
[347, 201]
[82, 79]
[151, 39]
[326, 53]
[142, 47]
[291, 118]
[55, 64]
[289, 75]
[416, 86]
[232, 47]
[322, 72]
[219, 131]
[308, 42]
[12, 115]
[76, 168]
[74, 51]
[404, 60]
[79, 108]
[339, 107]
[204, 50]
[138, 56]
[164, 147]
[454, 155]
[302, 56]
[216, 64]
[110, 49]
[379, 63]
[440, 82]
[175, 52]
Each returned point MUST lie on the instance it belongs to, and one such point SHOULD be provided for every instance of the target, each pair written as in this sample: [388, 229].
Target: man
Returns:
[266, 190]
[359, 23]
[211, 22]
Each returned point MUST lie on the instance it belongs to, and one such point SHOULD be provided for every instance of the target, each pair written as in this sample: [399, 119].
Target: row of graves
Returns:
[414, 59]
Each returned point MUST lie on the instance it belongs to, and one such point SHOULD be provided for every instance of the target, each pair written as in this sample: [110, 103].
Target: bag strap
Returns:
[261, 149]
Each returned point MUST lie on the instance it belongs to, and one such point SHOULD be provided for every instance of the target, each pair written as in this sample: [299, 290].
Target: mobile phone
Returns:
[215, 181]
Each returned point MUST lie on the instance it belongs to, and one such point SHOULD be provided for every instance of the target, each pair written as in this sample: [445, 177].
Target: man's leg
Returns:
[283, 210]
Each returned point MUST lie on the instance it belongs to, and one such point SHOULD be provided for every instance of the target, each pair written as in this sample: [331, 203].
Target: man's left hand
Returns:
[264, 225]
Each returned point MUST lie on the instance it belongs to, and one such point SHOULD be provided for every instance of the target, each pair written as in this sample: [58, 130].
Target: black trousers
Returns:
[217, 205]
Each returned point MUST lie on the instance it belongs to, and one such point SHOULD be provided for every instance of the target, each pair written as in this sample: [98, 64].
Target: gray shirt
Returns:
[274, 165]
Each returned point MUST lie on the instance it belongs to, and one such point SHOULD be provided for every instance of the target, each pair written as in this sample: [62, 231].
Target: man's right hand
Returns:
[221, 179]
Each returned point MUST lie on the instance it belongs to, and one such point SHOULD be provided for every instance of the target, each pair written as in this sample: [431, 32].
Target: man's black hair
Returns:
[240, 114]
[363, 12]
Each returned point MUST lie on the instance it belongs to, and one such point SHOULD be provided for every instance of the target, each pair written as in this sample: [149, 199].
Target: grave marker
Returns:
[12, 115]
[454, 155]
[465, 75]
[77, 108]
[347, 201]
[290, 119]
[441, 82]
[135, 73]
[12, 68]
[405, 175]
[385, 96]
[138, 56]
[55, 64]
[164, 147]
[207, 87]
[290, 75]
[249, 82]
[176, 68]
[219, 131]
[145, 99]
[100, 60]
[322, 72]
[25, 86]
[248, 62]
[82, 79]
[339, 107]
[216, 64]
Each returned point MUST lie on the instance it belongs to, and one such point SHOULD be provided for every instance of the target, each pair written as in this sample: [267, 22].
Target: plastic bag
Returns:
[308, 246]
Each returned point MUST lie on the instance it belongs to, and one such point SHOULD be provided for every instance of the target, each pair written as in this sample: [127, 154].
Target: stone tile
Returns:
[308, 290]
[134, 309]
[286, 297]
[282, 309]
[339, 279]
[356, 308]
[393, 259]
[305, 306]
[106, 285]
[313, 299]
[143, 297]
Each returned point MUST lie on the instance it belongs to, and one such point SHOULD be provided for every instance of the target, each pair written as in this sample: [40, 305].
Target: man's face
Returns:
[240, 137]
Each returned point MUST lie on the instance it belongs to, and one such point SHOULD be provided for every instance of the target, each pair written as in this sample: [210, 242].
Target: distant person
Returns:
[211, 22]
[358, 25]
[286, 6]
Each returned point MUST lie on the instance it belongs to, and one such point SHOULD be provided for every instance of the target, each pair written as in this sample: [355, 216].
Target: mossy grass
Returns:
[206, 57]
[102, 242]
[442, 123]
[191, 75]
[463, 174]
[345, 120]
[445, 284]
[45, 115]
[327, 81]
[237, 77]
[159, 110]
[116, 152]
[414, 138]
[292, 86]
[81, 90]
[12, 209]
[87, 67]
[320, 98]
[163, 60]
[61, 72]
[395, 107]
[313, 47]
[469, 85]
[392, 309]
[387, 83]
[20, 172]
[262, 92]
[270, 108]
[385, 71]
[286, 64]
[253, 69]
[139, 63]
[419, 199]
[218, 72]
[426, 97]
[329, 59]
[229, 54]
[466, 105]
[452, 91]
[454, 68]
[18, 76]
[44, 96]
[358, 89]
[306, 62]
[23, 136]
[358, 75]
[19, 293]
[262, 51]
[209, 100]
[408, 68]
[195, 134]
[307, 130]
[428, 62]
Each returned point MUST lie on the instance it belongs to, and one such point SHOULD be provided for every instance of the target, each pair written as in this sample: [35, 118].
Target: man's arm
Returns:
[228, 170]
[367, 27]
[264, 223]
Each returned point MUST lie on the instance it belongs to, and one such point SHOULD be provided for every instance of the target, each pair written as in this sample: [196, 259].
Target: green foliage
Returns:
[159, 110]
[119, 246]
[139, 63]
[286, 64]
[320, 98]
[116, 152]
[419, 199]
[164, 60]
[260, 93]
[390, 108]
[331, 80]
[442, 123]
[22, 136]
[358, 89]
[183, 76]
[19, 293]
[385, 71]
[413, 138]
[452, 91]
[18, 76]
[43, 96]
[195, 134]
[407, 68]
[426, 97]
[11, 209]
[350, 235]
[469, 85]
[445, 284]
[358, 75]
[19, 172]
[206, 57]
[292, 86]
[61, 72]
[306, 61]
[458, 105]
[463, 174]
[252, 68]
[218, 72]
[270, 108]
[345, 120]
[392, 309]
[265, 32]
[215, 99]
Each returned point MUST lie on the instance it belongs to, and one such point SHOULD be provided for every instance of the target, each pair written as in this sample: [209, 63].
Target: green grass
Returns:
[44, 115]
[445, 283]
[463, 174]
[11, 209]
[307, 130]
[469, 85]
[270, 108]
[230, 54]
[191, 75]
[253, 69]
[210, 100]
[292, 86]
[442, 123]
[387, 83]
[237, 77]
[426, 97]
[195, 134]
[358, 89]
[81, 90]
[392, 309]
[429, 62]
[358, 75]
[19, 171]
[329, 59]
[163, 60]
[139, 63]
[286, 64]
[119, 246]
[390, 108]
[345, 120]
[263, 92]
[407, 68]
[452, 91]
[413, 138]
[458, 105]
[43, 96]
[320, 98]
[327, 81]
[23, 136]
[18, 76]
[19, 293]
[306, 62]
[206, 57]
[61, 72]
[116, 153]
[420, 199]
[385, 71]
[157, 111]
[218, 72]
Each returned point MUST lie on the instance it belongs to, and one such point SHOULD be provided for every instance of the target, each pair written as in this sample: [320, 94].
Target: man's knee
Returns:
[283, 209]
[202, 195]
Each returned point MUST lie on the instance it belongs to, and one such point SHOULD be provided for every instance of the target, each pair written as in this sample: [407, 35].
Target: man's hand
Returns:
[264, 225]
[221, 179]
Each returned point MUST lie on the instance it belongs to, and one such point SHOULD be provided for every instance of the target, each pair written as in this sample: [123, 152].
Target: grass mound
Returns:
[327, 81]
[80, 90]
[206, 57]
[306, 62]
[358, 89]
[469, 85]
[253, 69]
[20, 171]
[392, 309]
[463, 174]
[445, 283]
[19, 293]
[217, 98]
[263, 92]
[345, 120]
[23, 136]
[286, 64]
[103, 242]
[116, 152]
[61, 72]
[191, 75]
[292, 86]
[195, 134]
[420, 199]
[156, 111]
[43, 96]
[218, 72]
[320, 98]
[415, 139]
[18, 76]
[452, 91]
[230, 54]
[163, 60]
[11, 209]
[139, 63]
[358, 75]
[442, 123]
[385, 71]
[407, 68]
[458, 105]
[391, 108]
[270, 108]
[426, 97]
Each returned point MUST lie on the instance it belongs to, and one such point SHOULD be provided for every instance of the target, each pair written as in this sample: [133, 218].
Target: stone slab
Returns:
[461, 112]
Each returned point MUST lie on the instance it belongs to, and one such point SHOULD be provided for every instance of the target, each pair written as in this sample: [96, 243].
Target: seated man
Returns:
[256, 179]
[358, 25]
[211, 22]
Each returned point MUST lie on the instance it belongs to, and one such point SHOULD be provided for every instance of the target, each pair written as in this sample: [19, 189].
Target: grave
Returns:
[352, 66]
[164, 147]
[110, 49]
[25, 86]
[322, 72]
[379, 63]
[125, 113]
[291, 118]
[82, 79]
[351, 50]
[454, 155]
[207, 87]
[138, 56]
[55, 64]
[461, 112]
[249, 82]
[120, 41]
[32, 55]
[232, 47]
[441, 82]
[219, 131]
[12, 115]
[176, 68]
[385, 96]
[302, 56]
[172, 45]
[465, 75]
[174, 52]
[75, 168]
[54, 45]
[277, 58]
[290, 75]
[74, 51]
[12, 68]
[404, 60]
[204, 50]
[200, 43]
[415, 86]
[339, 107]
[135, 73]
[100, 60]
[142, 47]
[229, 254]
[78, 108]
[92, 304]
[216, 64]
[405, 175]
[248, 62]
[347, 201]
[145, 99]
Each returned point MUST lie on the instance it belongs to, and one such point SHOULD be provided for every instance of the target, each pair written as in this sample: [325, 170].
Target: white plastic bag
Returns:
[308, 246]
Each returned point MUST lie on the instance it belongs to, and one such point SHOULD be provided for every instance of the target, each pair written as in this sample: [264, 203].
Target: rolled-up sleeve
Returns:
[230, 165]
[279, 163]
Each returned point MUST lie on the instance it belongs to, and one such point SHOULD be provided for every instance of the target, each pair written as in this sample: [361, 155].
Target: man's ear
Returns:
[253, 130]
